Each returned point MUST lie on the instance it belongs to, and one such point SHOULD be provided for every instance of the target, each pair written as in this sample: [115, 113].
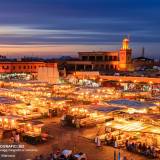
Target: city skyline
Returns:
[59, 27]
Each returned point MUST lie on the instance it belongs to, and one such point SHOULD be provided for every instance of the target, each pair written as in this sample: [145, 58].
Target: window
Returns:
[111, 66]
[115, 58]
[34, 67]
[99, 58]
[24, 67]
[110, 58]
[19, 67]
[92, 58]
[106, 58]
[13, 67]
[84, 58]
[28, 67]
[5, 67]
[107, 67]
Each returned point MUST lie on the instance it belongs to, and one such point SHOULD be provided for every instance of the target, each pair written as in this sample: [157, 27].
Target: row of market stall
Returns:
[23, 102]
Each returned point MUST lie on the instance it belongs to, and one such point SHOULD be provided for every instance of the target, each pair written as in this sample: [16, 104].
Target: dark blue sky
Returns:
[53, 27]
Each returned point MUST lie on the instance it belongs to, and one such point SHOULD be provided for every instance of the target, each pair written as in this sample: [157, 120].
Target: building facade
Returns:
[48, 74]
[23, 66]
[104, 60]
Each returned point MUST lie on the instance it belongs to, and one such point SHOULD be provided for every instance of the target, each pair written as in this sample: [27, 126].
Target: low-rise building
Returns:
[119, 60]
[29, 67]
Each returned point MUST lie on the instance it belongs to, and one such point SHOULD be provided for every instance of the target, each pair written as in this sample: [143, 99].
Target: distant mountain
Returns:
[63, 58]
[32, 59]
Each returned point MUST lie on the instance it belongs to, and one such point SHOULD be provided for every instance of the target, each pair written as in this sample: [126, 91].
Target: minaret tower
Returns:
[125, 56]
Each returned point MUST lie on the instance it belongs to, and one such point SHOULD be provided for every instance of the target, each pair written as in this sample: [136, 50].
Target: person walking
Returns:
[119, 155]
[115, 144]
[17, 138]
[98, 141]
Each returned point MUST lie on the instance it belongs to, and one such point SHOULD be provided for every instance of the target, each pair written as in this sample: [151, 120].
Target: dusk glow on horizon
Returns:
[63, 27]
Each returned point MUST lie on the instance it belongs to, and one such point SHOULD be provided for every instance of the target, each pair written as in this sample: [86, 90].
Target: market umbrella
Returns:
[119, 155]
[114, 154]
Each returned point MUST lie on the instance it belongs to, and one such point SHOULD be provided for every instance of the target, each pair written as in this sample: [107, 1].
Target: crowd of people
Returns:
[129, 145]
[15, 137]
[141, 149]
[58, 155]
[112, 141]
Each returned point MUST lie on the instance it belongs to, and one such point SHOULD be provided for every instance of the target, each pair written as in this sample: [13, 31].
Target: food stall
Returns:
[8, 122]
[32, 132]
[58, 105]
[133, 106]
[73, 116]
[7, 125]
[83, 117]
[134, 131]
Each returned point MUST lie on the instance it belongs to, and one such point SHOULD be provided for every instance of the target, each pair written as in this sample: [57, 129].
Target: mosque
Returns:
[120, 60]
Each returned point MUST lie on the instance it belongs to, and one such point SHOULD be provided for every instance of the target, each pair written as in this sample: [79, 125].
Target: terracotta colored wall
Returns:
[133, 79]
[118, 78]
[22, 67]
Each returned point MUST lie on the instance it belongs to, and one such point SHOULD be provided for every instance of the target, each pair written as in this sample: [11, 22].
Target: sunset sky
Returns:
[51, 28]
